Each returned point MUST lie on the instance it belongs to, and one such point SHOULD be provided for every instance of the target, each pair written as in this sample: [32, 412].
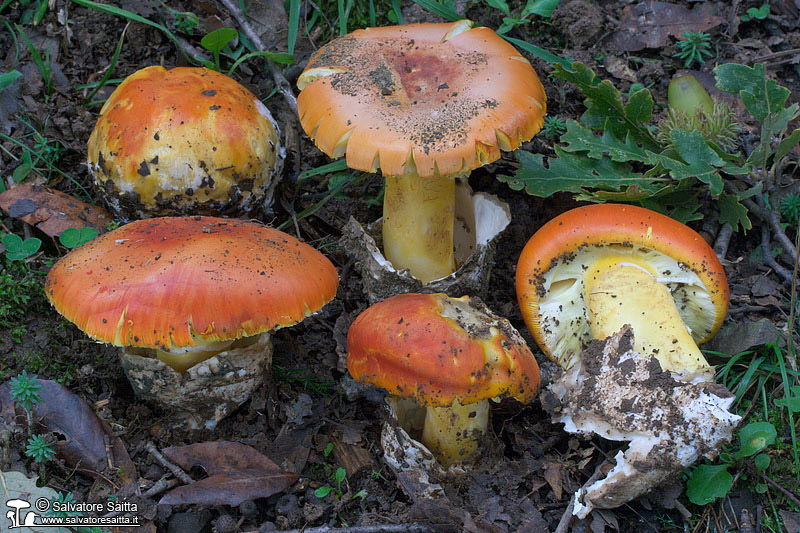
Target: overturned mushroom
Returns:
[185, 141]
[425, 104]
[449, 354]
[593, 269]
[655, 289]
[189, 291]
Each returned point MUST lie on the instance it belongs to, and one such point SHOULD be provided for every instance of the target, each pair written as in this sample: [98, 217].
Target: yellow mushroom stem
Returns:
[453, 433]
[418, 225]
[623, 293]
[182, 359]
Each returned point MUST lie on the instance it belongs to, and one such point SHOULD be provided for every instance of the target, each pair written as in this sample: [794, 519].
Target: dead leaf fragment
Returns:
[82, 434]
[237, 473]
[650, 24]
[552, 474]
[84, 441]
[52, 211]
[619, 69]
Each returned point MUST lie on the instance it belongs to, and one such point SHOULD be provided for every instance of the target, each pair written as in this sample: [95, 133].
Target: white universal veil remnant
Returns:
[425, 104]
[619, 394]
[655, 289]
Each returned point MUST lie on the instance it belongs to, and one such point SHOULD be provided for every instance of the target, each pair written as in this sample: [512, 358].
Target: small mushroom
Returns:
[590, 271]
[425, 104]
[187, 289]
[449, 354]
[184, 141]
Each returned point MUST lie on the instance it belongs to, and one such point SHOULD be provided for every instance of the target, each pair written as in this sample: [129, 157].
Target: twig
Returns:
[160, 486]
[166, 463]
[771, 217]
[723, 240]
[785, 492]
[566, 518]
[793, 302]
[784, 273]
[377, 528]
[280, 81]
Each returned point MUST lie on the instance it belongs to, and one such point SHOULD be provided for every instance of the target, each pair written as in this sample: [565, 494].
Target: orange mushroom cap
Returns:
[183, 141]
[168, 282]
[628, 228]
[429, 99]
[434, 349]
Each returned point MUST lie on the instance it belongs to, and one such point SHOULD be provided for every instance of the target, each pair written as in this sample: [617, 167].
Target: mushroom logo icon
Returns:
[14, 516]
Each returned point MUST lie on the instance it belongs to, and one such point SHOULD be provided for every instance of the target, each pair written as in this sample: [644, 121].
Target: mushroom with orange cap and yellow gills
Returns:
[593, 269]
[425, 104]
[450, 355]
[185, 141]
[647, 289]
[186, 297]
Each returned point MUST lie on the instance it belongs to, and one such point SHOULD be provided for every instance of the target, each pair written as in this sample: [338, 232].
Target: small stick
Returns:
[722, 241]
[784, 273]
[160, 486]
[566, 518]
[377, 528]
[277, 76]
[166, 463]
[793, 303]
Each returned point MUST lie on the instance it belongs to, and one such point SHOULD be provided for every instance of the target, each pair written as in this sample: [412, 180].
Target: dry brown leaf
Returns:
[650, 24]
[237, 473]
[552, 474]
[52, 211]
[81, 435]
[619, 69]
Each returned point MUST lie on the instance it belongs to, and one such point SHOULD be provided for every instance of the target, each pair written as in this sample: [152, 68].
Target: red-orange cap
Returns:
[568, 235]
[183, 141]
[169, 282]
[431, 99]
[434, 349]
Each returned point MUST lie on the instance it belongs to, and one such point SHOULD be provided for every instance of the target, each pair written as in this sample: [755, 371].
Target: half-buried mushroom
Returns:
[186, 141]
[450, 355]
[187, 296]
[425, 104]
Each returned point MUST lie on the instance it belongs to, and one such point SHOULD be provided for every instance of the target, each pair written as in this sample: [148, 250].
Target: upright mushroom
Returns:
[184, 289]
[593, 269]
[424, 103]
[449, 354]
[184, 141]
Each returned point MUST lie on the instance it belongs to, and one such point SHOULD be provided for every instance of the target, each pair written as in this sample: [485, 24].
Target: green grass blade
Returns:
[398, 11]
[310, 210]
[294, 23]
[342, 17]
[786, 392]
[280, 58]
[119, 12]
[373, 19]
[43, 64]
[336, 166]
[111, 65]
[435, 7]
[747, 378]
[541, 53]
